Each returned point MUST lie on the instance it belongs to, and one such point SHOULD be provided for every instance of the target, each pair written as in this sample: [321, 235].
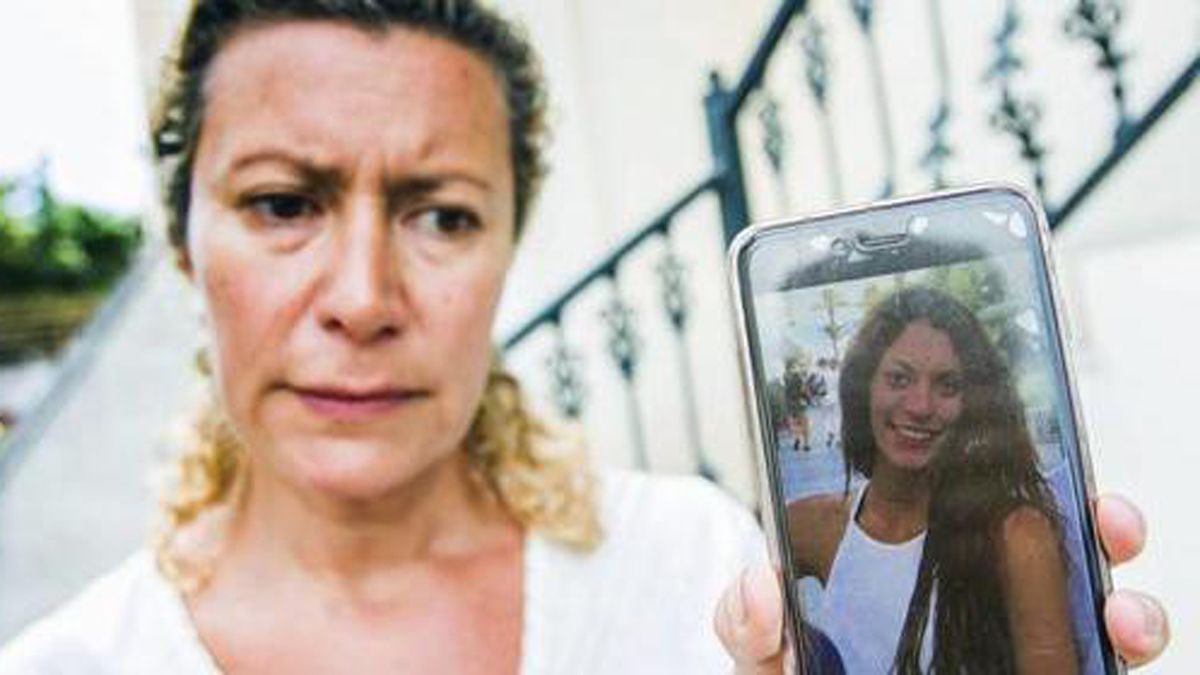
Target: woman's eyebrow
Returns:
[311, 170]
[950, 374]
[414, 188]
[429, 182]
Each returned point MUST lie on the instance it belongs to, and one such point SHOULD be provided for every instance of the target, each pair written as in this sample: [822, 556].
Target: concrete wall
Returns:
[80, 496]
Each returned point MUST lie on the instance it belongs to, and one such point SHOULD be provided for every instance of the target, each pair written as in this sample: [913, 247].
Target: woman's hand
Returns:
[1136, 623]
[749, 619]
[749, 622]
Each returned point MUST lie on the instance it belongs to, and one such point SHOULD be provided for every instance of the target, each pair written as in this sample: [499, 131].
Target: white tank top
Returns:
[866, 597]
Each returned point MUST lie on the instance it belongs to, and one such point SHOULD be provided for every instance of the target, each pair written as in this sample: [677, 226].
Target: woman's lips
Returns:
[915, 437]
[344, 403]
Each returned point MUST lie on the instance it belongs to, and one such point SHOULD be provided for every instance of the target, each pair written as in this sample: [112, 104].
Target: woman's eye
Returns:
[447, 222]
[950, 386]
[283, 206]
[896, 379]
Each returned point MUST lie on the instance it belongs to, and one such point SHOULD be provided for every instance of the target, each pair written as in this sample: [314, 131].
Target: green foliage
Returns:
[803, 387]
[776, 402]
[59, 246]
[57, 259]
[798, 389]
[982, 287]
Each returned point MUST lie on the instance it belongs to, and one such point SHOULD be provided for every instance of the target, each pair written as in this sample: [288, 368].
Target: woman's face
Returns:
[916, 396]
[350, 228]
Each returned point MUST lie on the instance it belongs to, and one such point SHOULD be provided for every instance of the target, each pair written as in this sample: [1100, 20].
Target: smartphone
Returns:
[925, 482]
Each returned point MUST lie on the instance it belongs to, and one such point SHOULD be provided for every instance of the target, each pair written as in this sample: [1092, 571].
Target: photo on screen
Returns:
[947, 377]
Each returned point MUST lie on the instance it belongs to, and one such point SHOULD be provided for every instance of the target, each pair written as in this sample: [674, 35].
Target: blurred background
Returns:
[676, 122]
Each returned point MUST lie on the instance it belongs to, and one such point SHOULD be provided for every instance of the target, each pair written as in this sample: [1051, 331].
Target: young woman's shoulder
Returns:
[1034, 574]
[126, 621]
[1031, 552]
[1029, 536]
[820, 508]
[816, 525]
[819, 517]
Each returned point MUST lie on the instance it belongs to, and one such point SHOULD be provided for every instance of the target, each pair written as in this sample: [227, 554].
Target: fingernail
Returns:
[1154, 626]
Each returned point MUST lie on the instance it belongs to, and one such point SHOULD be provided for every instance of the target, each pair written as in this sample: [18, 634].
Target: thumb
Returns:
[749, 621]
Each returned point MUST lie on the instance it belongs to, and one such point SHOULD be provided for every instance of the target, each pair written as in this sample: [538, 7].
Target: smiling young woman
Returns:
[919, 562]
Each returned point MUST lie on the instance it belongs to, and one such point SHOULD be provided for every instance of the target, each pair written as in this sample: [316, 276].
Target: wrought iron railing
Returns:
[1015, 114]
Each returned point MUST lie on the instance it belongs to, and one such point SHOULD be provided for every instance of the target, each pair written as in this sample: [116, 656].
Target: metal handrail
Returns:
[607, 265]
[725, 105]
[17, 441]
[1125, 142]
[722, 106]
[756, 69]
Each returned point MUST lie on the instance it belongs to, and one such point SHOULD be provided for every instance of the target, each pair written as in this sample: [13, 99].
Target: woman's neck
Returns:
[440, 515]
[896, 505]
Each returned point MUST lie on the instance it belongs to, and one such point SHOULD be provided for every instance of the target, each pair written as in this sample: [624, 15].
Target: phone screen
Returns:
[921, 445]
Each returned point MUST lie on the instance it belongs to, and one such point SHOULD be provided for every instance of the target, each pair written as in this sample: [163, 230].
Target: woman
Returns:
[367, 492]
[952, 546]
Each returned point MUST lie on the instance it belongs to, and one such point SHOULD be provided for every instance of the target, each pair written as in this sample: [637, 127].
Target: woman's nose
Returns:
[363, 296]
[918, 400]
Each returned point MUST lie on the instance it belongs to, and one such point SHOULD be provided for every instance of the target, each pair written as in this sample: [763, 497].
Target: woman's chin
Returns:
[355, 471]
[911, 459]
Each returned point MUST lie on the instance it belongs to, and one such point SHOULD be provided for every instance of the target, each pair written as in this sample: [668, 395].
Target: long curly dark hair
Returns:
[985, 469]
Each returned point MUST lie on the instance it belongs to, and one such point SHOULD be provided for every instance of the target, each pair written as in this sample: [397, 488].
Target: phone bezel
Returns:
[769, 489]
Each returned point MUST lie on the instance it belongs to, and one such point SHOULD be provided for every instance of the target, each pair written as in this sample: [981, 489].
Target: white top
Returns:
[866, 597]
[642, 602]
